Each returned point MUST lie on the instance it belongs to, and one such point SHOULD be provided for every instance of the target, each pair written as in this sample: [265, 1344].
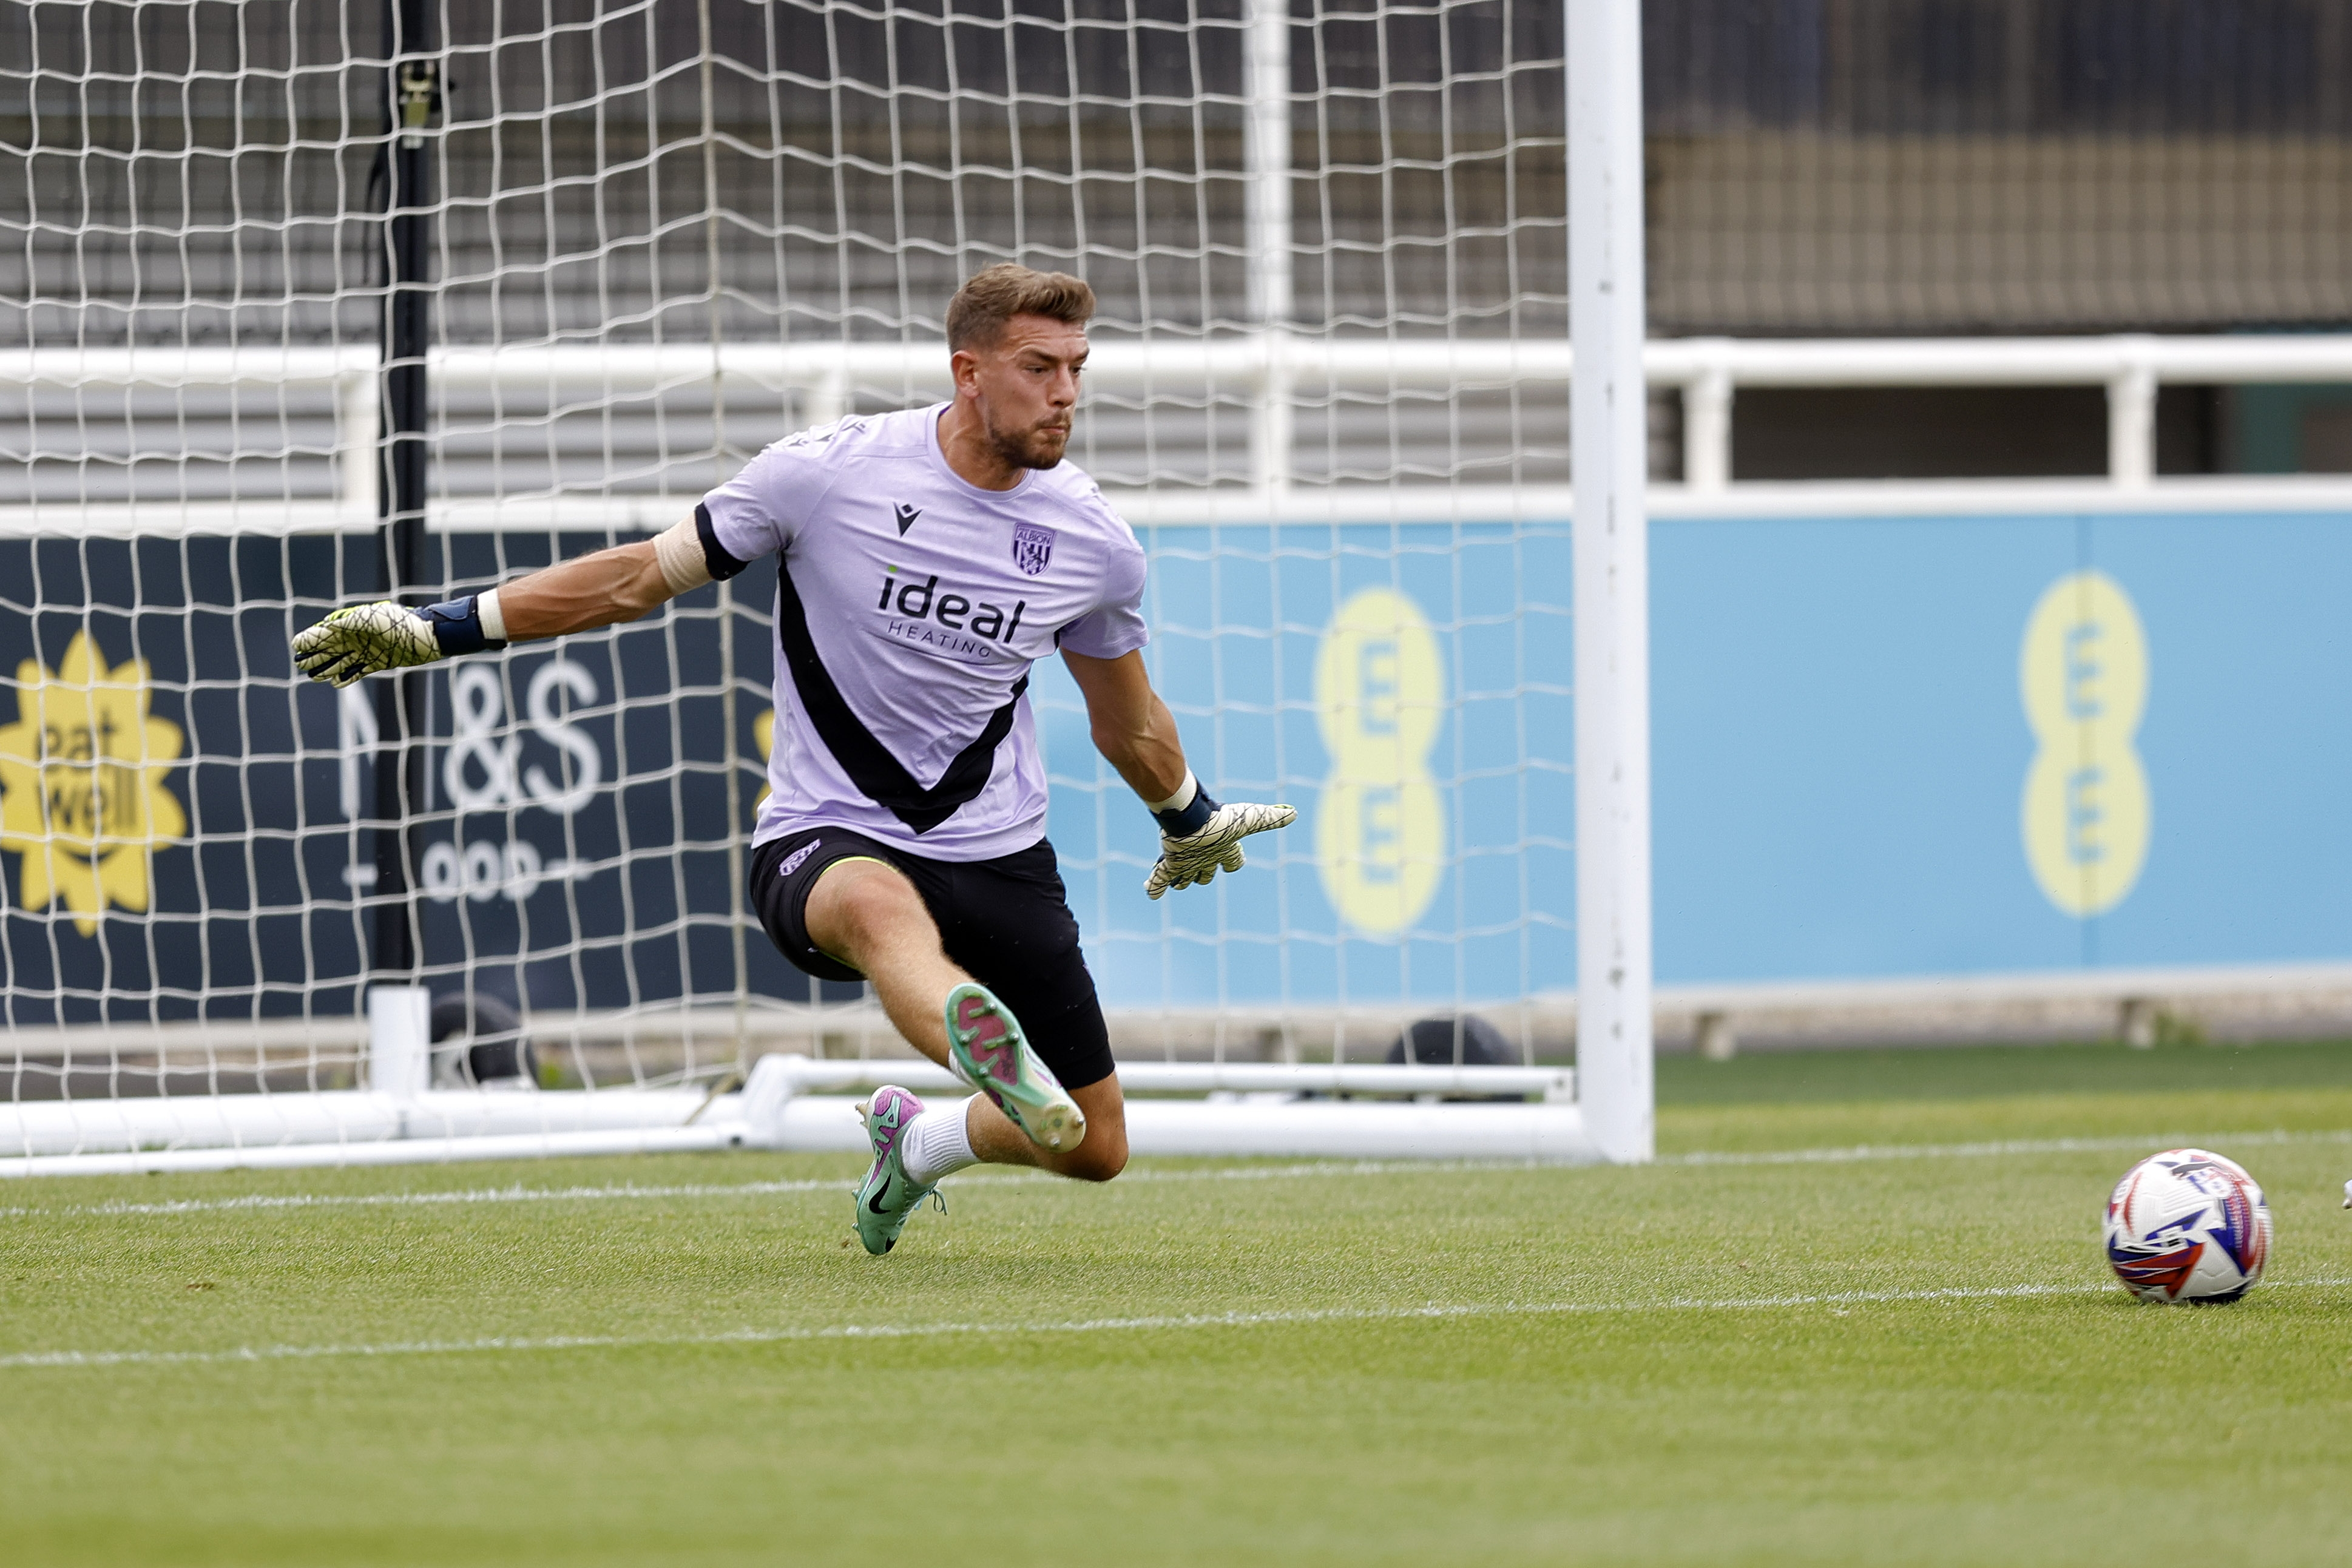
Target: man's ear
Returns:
[963, 366]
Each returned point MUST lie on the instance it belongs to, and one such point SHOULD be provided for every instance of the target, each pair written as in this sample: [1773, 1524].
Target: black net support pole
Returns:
[413, 91]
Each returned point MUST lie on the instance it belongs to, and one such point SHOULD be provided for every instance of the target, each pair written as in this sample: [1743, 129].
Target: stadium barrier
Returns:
[1268, 372]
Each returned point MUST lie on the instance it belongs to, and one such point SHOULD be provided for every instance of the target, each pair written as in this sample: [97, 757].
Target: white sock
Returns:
[937, 1144]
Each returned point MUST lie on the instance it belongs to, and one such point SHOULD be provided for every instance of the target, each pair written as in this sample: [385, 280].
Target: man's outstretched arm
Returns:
[1137, 734]
[575, 595]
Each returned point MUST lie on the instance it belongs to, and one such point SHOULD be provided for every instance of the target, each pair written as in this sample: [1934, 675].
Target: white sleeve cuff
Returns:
[680, 550]
[1183, 797]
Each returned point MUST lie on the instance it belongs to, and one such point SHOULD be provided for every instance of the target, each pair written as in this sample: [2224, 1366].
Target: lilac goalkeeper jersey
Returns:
[910, 605]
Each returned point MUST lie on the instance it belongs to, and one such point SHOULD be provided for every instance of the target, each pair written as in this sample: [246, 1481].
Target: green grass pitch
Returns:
[1744, 1354]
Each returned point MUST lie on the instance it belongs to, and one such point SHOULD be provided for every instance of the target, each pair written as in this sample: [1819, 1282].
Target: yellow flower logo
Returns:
[81, 784]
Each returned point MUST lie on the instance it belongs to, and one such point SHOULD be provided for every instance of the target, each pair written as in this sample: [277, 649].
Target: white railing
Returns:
[1269, 371]
[350, 375]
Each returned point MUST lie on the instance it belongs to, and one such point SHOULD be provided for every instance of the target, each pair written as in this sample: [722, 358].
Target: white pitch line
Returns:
[1433, 1311]
[2013, 1146]
[521, 1195]
[1322, 1168]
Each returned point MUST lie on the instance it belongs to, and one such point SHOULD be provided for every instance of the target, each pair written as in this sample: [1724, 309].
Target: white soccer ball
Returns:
[2188, 1226]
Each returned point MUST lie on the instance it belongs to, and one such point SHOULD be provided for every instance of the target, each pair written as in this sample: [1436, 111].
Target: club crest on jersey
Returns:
[1033, 546]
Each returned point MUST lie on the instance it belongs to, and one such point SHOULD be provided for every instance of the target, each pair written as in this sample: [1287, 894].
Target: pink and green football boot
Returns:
[986, 1049]
[887, 1197]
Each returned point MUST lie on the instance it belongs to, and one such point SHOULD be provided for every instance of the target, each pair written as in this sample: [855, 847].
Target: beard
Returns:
[1029, 446]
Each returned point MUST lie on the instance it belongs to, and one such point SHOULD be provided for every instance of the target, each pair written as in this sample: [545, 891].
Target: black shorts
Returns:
[1006, 921]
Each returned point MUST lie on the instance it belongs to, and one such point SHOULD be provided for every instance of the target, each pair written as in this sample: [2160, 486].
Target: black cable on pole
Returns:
[412, 94]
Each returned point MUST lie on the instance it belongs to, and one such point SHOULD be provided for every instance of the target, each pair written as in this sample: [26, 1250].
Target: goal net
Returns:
[302, 302]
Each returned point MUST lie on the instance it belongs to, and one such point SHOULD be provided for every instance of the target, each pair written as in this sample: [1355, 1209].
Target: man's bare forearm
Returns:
[360, 641]
[1148, 755]
[1131, 727]
[580, 595]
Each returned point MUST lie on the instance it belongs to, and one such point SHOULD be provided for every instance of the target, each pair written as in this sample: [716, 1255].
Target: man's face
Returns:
[1025, 386]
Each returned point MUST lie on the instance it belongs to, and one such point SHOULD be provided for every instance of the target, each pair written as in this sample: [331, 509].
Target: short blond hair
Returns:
[993, 296]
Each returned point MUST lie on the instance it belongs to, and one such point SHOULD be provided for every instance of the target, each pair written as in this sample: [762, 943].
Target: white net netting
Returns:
[1329, 390]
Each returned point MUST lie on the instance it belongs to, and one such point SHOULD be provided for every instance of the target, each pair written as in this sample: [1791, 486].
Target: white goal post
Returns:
[331, 300]
[1609, 449]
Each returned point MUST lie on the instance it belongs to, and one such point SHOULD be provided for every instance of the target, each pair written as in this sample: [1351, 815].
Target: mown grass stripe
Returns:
[1854, 1154]
[516, 1194]
[1196, 1321]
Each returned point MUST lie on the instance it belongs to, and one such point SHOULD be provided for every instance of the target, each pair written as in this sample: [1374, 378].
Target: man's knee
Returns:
[881, 905]
[1100, 1157]
[1102, 1153]
[1083, 1164]
[859, 905]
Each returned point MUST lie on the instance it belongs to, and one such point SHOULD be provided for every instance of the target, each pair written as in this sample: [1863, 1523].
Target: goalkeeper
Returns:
[926, 559]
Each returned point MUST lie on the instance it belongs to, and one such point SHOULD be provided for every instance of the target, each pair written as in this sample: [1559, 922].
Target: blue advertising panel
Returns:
[1406, 686]
[1932, 746]
[168, 815]
[1882, 746]
[180, 812]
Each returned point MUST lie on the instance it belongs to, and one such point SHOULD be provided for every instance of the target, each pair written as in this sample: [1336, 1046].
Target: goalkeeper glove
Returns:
[360, 641]
[1200, 836]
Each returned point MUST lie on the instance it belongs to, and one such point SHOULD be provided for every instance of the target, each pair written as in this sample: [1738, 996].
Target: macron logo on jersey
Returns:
[907, 516]
[947, 622]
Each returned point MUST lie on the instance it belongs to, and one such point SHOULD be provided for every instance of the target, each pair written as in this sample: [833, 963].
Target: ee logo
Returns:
[2084, 674]
[1380, 835]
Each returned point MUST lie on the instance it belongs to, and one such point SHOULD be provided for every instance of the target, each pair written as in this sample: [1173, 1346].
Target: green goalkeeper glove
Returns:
[1200, 837]
[361, 640]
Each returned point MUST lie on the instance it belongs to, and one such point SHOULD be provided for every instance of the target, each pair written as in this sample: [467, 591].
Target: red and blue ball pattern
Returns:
[2188, 1226]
